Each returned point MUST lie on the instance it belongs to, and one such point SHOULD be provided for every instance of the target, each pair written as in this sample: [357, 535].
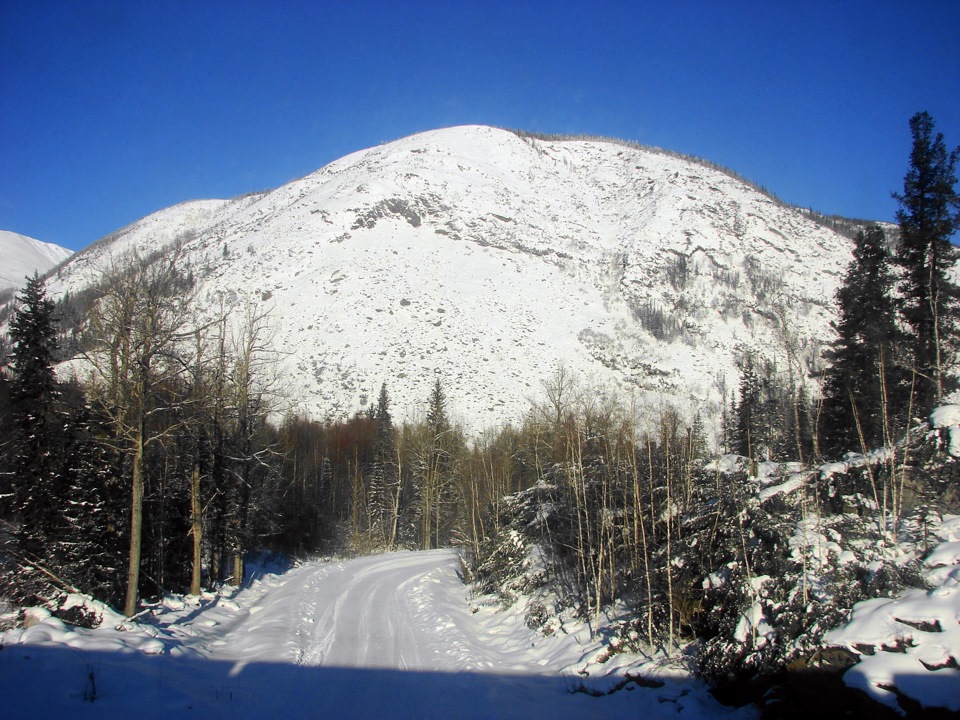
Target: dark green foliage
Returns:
[929, 215]
[437, 420]
[66, 506]
[867, 384]
[764, 420]
[502, 564]
[92, 548]
[383, 472]
[749, 411]
[772, 582]
[36, 420]
[7, 448]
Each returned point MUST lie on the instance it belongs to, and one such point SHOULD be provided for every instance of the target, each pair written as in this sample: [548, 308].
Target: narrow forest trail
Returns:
[388, 636]
[405, 611]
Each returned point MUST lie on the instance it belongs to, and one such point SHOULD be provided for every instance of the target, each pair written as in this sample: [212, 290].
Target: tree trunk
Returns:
[238, 569]
[196, 529]
[136, 531]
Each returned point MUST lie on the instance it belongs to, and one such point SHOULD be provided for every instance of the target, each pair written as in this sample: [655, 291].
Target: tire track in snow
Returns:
[403, 611]
[367, 619]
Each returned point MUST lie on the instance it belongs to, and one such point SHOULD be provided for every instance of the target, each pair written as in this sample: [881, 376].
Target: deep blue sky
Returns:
[112, 110]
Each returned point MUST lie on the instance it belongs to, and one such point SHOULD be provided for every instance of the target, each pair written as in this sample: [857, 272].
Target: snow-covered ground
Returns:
[388, 636]
[910, 645]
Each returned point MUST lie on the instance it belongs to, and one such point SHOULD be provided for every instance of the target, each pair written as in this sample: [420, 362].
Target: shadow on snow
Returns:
[45, 682]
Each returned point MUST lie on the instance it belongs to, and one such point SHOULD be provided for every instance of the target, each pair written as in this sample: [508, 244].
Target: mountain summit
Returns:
[21, 256]
[492, 259]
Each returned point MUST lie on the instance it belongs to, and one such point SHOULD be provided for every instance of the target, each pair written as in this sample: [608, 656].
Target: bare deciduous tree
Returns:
[133, 345]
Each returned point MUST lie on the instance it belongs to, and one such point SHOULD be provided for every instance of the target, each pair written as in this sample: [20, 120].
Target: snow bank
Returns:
[911, 643]
[855, 460]
[792, 483]
[945, 416]
[948, 416]
[728, 464]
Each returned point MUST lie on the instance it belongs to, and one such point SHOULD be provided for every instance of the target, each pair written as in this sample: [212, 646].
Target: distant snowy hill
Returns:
[491, 259]
[21, 256]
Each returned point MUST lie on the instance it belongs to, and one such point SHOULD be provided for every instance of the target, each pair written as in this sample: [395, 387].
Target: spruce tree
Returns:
[436, 468]
[929, 215]
[865, 383]
[383, 477]
[91, 550]
[748, 411]
[34, 394]
[437, 410]
[6, 450]
[439, 428]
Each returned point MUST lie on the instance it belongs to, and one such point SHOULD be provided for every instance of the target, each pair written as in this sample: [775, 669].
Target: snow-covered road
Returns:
[402, 611]
[370, 613]
[366, 615]
[388, 636]
[405, 611]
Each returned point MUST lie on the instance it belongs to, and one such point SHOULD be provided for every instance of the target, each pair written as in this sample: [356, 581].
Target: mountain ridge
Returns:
[491, 259]
[23, 255]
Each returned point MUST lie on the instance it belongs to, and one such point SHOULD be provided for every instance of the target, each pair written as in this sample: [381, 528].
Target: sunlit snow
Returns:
[491, 260]
[388, 636]
[22, 256]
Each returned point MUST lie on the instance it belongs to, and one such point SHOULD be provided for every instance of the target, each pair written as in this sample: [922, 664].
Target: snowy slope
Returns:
[390, 636]
[21, 256]
[491, 260]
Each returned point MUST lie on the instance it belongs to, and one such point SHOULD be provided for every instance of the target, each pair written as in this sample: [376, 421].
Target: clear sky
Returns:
[111, 110]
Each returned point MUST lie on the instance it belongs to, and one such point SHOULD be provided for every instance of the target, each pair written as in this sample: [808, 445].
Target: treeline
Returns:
[155, 472]
[159, 466]
[755, 560]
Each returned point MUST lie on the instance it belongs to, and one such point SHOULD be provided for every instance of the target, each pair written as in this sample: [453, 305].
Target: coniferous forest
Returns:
[168, 468]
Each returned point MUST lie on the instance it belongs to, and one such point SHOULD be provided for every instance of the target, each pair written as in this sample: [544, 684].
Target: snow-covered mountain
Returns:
[491, 259]
[21, 256]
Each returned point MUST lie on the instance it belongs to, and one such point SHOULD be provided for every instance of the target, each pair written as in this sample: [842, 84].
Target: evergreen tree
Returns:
[37, 429]
[383, 475]
[748, 411]
[437, 490]
[6, 449]
[381, 414]
[698, 438]
[864, 383]
[437, 411]
[91, 550]
[929, 215]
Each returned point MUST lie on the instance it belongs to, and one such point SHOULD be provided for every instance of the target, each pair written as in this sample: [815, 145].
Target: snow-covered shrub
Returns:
[537, 615]
[77, 613]
[780, 574]
[500, 565]
[519, 557]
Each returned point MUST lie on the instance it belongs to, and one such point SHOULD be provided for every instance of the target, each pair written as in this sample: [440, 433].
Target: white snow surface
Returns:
[948, 416]
[389, 636]
[945, 416]
[490, 260]
[911, 642]
[21, 256]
